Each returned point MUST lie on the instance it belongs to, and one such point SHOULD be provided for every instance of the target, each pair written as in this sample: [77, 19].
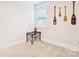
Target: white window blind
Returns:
[41, 16]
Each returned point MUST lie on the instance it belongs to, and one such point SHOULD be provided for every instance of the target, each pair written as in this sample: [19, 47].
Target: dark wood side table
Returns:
[34, 35]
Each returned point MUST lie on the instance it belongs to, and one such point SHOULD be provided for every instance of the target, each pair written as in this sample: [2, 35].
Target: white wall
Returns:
[16, 18]
[63, 34]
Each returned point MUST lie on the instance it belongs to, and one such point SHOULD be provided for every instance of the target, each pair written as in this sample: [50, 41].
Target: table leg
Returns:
[26, 37]
[35, 36]
[32, 40]
[40, 37]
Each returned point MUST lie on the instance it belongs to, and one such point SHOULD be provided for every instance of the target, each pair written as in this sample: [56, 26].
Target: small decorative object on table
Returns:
[34, 35]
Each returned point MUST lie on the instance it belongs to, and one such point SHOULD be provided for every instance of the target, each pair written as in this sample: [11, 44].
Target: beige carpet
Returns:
[39, 49]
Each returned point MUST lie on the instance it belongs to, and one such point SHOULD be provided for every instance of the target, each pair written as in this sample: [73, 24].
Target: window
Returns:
[41, 17]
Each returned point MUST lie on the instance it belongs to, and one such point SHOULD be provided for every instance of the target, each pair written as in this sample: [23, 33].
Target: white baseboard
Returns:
[63, 45]
[11, 44]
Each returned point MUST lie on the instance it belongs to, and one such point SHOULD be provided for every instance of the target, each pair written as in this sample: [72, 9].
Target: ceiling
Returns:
[33, 2]
[19, 2]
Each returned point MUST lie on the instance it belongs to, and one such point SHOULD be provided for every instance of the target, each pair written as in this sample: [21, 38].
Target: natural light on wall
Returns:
[41, 17]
